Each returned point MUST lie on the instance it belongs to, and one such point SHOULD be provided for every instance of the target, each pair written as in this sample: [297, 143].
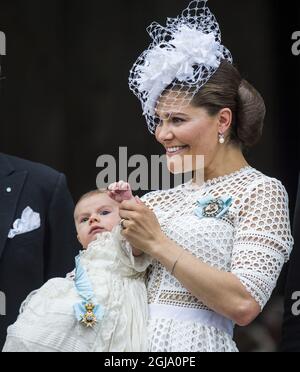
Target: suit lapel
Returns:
[11, 184]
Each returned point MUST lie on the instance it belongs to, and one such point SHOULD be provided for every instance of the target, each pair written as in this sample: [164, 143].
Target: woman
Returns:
[218, 246]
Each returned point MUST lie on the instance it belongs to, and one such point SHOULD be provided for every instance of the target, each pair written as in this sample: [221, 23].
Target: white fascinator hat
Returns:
[182, 57]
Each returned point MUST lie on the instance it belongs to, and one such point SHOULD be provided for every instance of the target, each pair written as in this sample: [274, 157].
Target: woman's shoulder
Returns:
[262, 192]
[250, 180]
[260, 182]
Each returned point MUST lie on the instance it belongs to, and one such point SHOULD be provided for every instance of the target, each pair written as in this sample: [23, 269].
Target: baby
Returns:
[98, 212]
[102, 307]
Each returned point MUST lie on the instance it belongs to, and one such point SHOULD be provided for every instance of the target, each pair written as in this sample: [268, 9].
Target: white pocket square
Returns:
[29, 221]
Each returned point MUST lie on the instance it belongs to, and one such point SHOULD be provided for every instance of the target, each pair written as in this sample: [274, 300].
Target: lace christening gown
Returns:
[252, 241]
[47, 321]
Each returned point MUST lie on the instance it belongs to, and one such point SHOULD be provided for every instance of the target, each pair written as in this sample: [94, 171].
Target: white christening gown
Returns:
[47, 322]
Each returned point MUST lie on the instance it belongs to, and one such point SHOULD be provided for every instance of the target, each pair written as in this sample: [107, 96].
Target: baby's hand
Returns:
[120, 191]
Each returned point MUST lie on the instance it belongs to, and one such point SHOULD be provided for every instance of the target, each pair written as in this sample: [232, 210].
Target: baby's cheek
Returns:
[83, 237]
[115, 220]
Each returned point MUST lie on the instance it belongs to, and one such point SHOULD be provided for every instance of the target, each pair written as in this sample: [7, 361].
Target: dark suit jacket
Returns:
[291, 323]
[29, 260]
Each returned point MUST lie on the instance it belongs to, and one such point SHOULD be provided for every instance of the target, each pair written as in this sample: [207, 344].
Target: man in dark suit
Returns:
[37, 232]
[291, 324]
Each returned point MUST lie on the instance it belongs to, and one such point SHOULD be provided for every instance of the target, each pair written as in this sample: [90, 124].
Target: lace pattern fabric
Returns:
[253, 240]
[182, 57]
[47, 321]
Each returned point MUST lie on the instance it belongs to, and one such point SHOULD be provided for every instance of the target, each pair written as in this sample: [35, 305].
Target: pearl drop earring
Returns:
[221, 138]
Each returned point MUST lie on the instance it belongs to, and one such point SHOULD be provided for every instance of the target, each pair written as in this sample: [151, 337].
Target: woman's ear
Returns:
[225, 120]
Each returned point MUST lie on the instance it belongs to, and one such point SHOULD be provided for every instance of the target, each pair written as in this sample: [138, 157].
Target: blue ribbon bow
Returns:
[210, 207]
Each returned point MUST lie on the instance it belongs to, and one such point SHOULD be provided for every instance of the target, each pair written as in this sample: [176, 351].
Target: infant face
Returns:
[94, 215]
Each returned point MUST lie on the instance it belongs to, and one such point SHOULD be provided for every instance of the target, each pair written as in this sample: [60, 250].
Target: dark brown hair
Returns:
[226, 89]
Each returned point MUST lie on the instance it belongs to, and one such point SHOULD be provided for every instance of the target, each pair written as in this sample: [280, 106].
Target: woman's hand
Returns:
[141, 227]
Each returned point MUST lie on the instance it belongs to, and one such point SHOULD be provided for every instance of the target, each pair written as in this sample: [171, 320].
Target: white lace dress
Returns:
[47, 322]
[252, 241]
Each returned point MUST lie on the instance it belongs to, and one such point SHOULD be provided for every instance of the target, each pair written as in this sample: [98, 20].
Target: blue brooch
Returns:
[210, 207]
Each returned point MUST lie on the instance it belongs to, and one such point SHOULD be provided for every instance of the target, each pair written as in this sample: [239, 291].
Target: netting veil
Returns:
[180, 60]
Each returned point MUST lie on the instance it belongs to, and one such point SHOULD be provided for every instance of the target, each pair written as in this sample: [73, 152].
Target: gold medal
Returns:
[89, 319]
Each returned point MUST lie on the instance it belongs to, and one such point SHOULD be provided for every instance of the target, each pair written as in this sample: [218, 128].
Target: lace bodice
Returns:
[253, 240]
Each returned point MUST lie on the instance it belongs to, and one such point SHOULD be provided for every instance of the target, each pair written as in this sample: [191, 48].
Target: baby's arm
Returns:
[120, 191]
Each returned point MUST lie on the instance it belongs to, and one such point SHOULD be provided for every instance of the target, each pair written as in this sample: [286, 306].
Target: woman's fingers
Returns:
[129, 215]
[138, 200]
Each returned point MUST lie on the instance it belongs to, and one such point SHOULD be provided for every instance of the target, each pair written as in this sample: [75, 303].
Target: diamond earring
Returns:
[221, 138]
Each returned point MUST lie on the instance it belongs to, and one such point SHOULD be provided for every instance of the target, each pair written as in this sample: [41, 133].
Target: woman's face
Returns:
[188, 131]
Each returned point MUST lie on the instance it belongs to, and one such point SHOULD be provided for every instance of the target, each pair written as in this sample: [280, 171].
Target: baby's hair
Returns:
[92, 193]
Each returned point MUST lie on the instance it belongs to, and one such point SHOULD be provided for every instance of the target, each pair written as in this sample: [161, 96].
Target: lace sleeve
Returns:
[137, 264]
[143, 262]
[263, 240]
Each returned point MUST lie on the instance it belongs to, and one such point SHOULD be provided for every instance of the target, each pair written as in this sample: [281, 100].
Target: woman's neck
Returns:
[226, 162]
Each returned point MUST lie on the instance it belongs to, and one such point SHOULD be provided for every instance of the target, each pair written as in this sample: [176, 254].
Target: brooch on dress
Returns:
[210, 207]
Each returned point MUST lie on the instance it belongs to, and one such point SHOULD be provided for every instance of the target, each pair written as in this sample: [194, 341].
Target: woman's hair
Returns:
[226, 89]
